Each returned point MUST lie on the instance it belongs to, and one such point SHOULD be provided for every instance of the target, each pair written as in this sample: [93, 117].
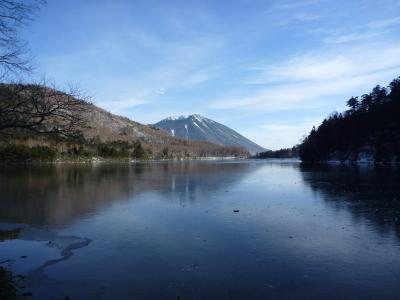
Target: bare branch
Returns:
[43, 109]
[15, 14]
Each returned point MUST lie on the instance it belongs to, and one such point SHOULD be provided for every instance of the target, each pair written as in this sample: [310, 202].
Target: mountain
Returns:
[109, 127]
[198, 128]
[99, 132]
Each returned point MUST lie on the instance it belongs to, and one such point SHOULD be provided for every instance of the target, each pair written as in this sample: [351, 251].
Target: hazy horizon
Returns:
[267, 70]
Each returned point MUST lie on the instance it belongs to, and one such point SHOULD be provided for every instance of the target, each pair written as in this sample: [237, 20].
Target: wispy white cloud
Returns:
[286, 14]
[176, 64]
[293, 96]
[322, 66]
[294, 4]
[367, 31]
[352, 37]
[183, 63]
[303, 82]
[117, 106]
[379, 24]
[161, 91]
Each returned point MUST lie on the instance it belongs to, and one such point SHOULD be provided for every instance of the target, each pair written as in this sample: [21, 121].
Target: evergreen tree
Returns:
[353, 103]
[139, 152]
[371, 125]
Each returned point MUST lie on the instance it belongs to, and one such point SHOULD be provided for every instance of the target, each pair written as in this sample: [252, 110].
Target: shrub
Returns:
[22, 153]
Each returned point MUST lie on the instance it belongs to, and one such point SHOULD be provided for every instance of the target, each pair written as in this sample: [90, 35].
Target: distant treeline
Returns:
[47, 152]
[369, 129]
[51, 149]
[282, 153]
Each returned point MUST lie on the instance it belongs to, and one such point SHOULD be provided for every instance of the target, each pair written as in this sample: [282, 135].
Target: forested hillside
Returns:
[42, 123]
[368, 130]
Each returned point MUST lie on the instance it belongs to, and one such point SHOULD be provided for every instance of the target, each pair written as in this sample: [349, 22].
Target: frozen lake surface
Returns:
[202, 230]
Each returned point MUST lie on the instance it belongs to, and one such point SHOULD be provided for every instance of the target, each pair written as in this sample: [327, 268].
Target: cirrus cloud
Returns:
[303, 82]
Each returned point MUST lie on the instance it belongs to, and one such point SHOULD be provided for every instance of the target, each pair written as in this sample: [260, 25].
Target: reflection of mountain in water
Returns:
[55, 194]
[371, 193]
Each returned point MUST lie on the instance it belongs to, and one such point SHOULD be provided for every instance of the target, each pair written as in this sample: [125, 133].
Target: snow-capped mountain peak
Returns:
[197, 127]
[174, 118]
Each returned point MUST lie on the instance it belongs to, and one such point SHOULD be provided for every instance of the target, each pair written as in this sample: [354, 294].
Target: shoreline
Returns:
[333, 162]
[98, 160]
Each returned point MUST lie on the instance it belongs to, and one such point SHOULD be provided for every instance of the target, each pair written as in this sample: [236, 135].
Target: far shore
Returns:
[100, 160]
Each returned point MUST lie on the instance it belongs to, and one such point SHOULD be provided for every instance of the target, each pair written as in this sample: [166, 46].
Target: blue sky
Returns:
[268, 69]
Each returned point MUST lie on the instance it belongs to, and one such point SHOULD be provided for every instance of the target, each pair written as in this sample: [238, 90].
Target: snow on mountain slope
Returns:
[196, 127]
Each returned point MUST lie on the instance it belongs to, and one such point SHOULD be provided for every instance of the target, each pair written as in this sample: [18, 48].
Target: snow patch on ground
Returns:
[198, 118]
[187, 131]
[196, 125]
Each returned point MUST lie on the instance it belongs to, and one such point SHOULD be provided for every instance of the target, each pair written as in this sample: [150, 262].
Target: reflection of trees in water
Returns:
[369, 193]
[55, 194]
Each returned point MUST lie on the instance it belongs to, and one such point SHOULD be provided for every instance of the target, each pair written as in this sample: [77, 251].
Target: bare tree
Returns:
[35, 107]
[13, 52]
[42, 109]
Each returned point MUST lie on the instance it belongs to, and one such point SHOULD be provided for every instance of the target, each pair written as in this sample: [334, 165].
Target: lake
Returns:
[202, 230]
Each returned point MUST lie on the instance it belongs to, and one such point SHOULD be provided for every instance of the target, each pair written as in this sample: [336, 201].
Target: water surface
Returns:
[168, 230]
